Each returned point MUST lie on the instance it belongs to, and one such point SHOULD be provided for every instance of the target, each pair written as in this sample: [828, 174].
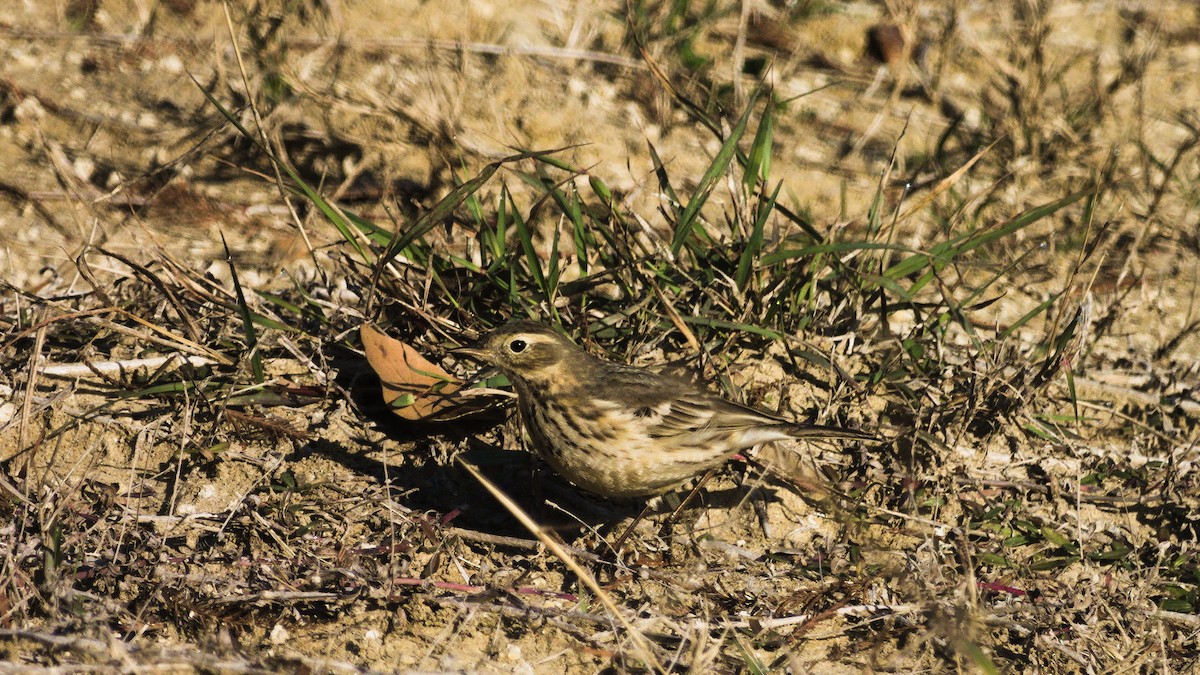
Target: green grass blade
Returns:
[754, 243]
[532, 262]
[247, 320]
[732, 325]
[664, 183]
[447, 205]
[838, 247]
[943, 253]
[708, 181]
[1029, 316]
[436, 215]
[758, 162]
[332, 214]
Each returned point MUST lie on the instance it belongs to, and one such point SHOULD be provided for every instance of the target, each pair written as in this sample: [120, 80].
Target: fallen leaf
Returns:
[414, 387]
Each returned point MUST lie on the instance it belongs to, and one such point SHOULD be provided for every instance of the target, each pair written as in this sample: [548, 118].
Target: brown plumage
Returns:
[619, 430]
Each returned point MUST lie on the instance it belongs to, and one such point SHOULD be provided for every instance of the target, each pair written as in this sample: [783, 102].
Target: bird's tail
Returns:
[824, 431]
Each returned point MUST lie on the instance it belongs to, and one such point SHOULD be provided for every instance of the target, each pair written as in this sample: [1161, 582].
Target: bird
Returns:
[618, 430]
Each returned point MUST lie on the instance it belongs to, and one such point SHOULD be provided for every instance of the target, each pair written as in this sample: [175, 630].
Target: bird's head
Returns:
[525, 349]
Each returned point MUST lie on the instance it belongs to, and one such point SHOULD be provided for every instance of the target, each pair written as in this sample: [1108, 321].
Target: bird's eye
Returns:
[517, 346]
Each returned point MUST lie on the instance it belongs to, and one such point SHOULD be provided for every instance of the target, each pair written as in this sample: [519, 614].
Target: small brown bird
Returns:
[619, 430]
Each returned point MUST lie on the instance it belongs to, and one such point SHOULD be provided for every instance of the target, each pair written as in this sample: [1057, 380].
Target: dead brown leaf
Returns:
[414, 387]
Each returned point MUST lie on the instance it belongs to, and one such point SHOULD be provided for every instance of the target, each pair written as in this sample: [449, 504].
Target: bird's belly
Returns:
[607, 455]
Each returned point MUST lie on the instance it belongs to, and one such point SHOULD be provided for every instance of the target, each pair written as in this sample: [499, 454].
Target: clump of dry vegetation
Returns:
[983, 247]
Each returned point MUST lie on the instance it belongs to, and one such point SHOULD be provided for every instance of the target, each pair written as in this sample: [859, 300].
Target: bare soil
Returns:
[317, 532]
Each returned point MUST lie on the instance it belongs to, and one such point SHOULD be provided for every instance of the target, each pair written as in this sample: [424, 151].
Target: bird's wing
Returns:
[702, 414]
[673, 407]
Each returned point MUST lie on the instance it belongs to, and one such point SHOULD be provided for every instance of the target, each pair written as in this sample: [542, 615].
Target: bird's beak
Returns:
[471, 353]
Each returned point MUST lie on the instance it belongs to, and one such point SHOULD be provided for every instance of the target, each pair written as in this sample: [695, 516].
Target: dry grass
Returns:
[991, 260]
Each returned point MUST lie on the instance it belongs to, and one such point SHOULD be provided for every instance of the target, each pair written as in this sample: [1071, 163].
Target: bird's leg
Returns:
[615, 549]
[535, 473]
[688, 499]
[539, 498]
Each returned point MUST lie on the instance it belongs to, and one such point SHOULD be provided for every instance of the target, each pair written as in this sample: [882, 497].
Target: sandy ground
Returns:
[110, 155]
